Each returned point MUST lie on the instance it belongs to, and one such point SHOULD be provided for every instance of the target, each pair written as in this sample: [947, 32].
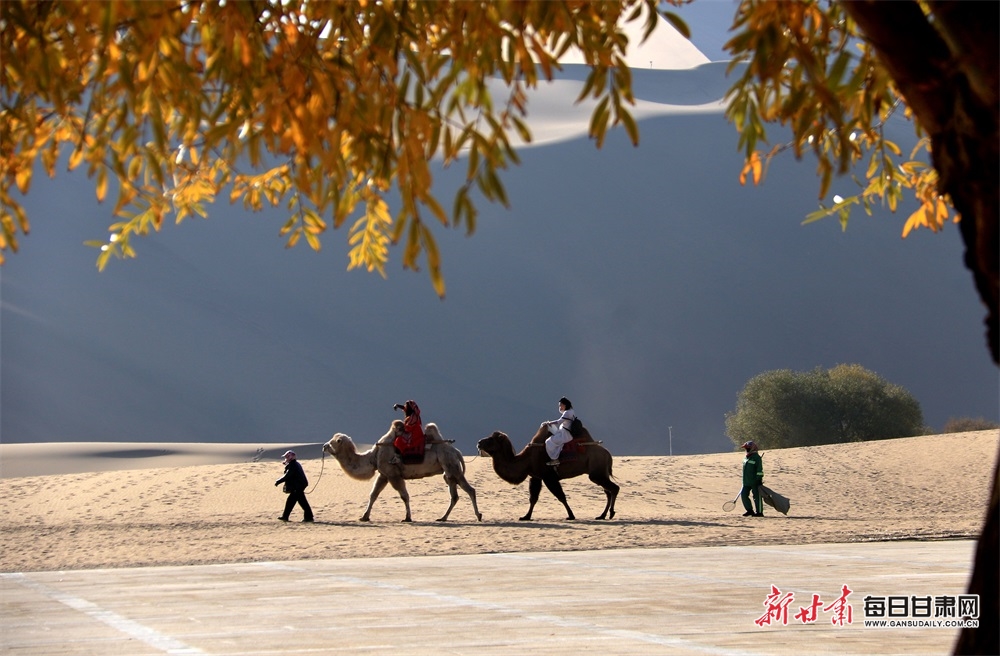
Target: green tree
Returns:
[966, 424]
[784, 408]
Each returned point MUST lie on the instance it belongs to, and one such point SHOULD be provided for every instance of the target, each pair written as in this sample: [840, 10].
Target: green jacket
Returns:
[753, 470]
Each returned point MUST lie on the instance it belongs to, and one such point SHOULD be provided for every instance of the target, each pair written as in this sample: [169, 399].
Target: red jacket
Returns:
[411, 442]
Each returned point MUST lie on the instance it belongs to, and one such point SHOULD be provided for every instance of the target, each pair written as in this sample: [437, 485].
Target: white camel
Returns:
[440, 457]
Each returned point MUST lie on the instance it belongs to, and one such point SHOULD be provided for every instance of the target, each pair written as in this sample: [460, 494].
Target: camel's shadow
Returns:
[563, 524]
[548, 524]
[569, 523]
[671, 522]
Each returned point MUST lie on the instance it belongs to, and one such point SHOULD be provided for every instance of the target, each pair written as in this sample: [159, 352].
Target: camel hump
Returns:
[432, 435]
[395, 430]
[582, 434]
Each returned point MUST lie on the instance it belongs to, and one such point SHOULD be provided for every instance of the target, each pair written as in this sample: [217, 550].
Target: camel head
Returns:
[494, 444]
[340, 444]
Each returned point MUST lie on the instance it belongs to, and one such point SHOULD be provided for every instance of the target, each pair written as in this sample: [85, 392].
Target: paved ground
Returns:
[631, 601]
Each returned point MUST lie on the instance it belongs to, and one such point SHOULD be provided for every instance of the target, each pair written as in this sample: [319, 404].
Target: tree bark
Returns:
[948, 71]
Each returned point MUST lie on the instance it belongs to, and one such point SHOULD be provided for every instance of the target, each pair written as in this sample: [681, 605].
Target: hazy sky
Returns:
[709, 21]
[644, 283]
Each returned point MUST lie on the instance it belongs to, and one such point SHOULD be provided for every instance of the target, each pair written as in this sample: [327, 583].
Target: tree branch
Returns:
[941, 86]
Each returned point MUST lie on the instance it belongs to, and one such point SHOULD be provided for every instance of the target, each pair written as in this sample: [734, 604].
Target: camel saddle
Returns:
[418, 458]
[573, 449]
[412, 458]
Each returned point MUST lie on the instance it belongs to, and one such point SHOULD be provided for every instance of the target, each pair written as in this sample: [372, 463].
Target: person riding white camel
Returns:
[411, 441]
[560, 431]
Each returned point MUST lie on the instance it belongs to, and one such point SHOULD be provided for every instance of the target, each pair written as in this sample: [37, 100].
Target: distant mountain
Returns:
[643, 283]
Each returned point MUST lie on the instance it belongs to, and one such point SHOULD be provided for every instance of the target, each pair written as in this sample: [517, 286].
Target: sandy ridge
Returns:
[922, 488]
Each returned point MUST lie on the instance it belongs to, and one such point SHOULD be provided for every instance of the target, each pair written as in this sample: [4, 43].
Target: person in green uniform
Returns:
[753, 478]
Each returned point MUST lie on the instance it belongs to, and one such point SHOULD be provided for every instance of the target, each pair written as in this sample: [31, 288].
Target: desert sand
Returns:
[107, 505]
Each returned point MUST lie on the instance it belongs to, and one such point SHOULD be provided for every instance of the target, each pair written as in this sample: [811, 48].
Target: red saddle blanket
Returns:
[572, 449]
[411, 444]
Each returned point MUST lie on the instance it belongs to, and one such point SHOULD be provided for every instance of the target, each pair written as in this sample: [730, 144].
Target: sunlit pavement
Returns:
[631, 601]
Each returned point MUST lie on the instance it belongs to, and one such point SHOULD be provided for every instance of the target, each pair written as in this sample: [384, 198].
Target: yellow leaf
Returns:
[630, 127]
[913, 221]
[314, 224]
[102, 258]
[436, 209]
[102, 184]
[438, 281]
[599, 121]
[75, 158]
[23, 179]
[22, 222]
[923, 218]
[753, 165]
[134, 168]
[942, 212]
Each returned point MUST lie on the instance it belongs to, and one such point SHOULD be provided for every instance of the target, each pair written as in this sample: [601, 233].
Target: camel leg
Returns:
[534, 489]
[377, 487]
[399, 485]
[471, 491]
[454, 482]
[610, 491]
[555, 487]
[453, 488]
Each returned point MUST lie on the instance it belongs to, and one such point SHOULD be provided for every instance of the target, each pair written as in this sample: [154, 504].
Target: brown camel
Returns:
[594, 460]
[441, 457]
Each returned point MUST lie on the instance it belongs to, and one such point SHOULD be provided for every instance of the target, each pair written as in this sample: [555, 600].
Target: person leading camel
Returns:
[295, 484]
[560, 430]
[753, 478]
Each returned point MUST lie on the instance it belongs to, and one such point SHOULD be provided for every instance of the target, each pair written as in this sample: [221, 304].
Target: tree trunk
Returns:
[948, 72]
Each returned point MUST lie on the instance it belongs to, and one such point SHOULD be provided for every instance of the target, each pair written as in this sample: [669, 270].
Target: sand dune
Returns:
[100, 505]
[49, 458]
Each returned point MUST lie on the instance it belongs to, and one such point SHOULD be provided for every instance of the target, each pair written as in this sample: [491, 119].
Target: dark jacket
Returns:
[753, 470]
[294, 478]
